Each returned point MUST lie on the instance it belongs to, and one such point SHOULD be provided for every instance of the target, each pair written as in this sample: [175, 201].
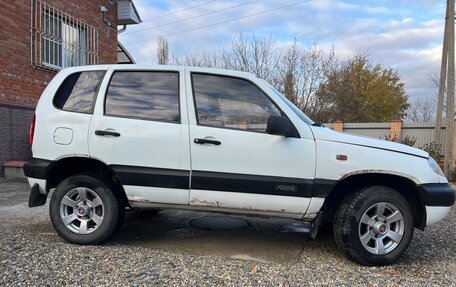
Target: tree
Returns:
[199, 58]
[359, 91]
[434, 79]
[421, 110]
[253, 54]
[313, 79]
[162, 51]
[289, 69]
[303, 72]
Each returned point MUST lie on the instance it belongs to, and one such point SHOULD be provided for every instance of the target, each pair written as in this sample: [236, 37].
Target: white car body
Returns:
[313, 156]
[160, 165]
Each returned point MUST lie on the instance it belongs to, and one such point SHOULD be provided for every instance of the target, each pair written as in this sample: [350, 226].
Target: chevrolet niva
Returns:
[110, 137]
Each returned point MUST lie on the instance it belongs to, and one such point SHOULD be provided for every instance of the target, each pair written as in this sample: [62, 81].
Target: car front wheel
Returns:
[374, 225]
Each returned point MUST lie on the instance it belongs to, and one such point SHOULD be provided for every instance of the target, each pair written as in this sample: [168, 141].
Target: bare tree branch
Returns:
[162, 51]
[421, 110]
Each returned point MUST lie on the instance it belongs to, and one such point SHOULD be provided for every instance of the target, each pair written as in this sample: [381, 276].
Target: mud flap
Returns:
[36, 198]
[315, 225]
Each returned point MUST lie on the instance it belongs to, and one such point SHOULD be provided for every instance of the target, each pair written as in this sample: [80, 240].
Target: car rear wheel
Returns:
[85, 210]
[374, 225]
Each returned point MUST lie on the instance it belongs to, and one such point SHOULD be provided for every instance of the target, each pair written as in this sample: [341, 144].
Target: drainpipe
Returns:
[122, 30]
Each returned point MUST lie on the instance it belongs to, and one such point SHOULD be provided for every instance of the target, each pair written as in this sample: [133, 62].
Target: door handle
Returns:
[206, 141]
[107, 133]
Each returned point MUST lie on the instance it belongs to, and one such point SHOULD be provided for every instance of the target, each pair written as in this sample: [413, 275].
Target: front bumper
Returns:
[437, 199]
[436, 194]
[436, 213]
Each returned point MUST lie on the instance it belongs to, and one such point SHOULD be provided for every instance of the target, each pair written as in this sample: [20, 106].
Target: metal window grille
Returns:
[59, 40]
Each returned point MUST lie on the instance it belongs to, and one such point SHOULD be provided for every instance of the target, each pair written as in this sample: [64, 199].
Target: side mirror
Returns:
[278, 125]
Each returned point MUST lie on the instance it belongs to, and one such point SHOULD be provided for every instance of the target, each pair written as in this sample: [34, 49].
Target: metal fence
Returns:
[375, 130]
[422, 133]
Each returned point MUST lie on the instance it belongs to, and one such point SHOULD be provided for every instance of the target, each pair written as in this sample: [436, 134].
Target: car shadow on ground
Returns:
[238, 237]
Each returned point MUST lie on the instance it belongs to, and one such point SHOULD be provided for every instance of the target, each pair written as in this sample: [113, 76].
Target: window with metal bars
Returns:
[59, 40]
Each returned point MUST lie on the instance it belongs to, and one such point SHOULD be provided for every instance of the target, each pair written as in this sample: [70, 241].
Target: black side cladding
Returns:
[217, 181]
[206, 180]
[156, 177]
[246, 183]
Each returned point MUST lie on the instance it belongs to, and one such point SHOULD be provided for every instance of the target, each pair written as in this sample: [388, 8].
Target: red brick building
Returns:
[40, 37]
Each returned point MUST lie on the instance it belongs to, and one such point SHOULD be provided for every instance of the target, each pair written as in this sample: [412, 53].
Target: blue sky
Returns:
[403, 34]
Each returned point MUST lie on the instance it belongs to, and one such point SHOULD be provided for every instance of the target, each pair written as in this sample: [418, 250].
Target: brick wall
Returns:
[21, 84]
[14, 130]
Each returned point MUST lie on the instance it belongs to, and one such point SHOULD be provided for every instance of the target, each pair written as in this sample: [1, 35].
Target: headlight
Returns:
[435, 166]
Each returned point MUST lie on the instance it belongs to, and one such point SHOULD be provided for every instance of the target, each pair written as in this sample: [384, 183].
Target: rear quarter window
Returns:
[78, 92]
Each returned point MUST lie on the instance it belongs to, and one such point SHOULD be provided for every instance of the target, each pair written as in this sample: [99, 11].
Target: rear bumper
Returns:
[36, 168]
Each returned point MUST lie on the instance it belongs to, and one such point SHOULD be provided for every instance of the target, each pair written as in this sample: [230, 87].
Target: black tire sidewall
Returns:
[111, 209]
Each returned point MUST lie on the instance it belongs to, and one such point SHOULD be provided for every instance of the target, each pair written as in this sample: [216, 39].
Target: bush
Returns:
[452, 175]
[433, 149]
[410, 141]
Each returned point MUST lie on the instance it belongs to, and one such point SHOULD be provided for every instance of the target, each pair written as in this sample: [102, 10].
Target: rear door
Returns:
[63, 121]
[235, 163]
[139, 129]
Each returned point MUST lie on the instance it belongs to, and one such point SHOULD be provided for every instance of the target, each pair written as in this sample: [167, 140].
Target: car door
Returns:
[139, 129]
[235, 163]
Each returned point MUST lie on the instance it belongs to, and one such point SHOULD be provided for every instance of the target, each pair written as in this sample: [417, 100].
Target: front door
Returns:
[235, 163]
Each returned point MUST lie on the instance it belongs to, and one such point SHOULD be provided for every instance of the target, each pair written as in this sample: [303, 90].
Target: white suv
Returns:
[107, 138]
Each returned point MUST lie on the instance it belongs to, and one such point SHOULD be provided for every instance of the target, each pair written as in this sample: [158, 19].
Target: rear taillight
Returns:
[32, 130]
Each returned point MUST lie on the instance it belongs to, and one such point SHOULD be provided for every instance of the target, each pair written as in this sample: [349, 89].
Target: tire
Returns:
[369, 235]
[85, 210]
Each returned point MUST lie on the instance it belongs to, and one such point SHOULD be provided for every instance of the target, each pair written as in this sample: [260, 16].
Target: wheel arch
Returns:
[405, 186]
[68, 166]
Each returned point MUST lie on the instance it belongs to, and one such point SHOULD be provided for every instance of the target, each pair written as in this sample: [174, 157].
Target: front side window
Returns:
[78, 92]
[295, 109]
[144, 95]
[59, 40]
[228, 102]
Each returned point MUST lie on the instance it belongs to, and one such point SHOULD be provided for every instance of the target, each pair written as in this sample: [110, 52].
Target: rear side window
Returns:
[144, 95]
[78, 92]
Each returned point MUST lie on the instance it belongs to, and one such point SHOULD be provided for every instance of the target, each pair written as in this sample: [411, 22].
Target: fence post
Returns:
[395, 129]
[338, 126]
[452, 164]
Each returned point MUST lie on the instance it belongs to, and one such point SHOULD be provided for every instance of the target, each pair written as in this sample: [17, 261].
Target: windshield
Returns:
[295, 109]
